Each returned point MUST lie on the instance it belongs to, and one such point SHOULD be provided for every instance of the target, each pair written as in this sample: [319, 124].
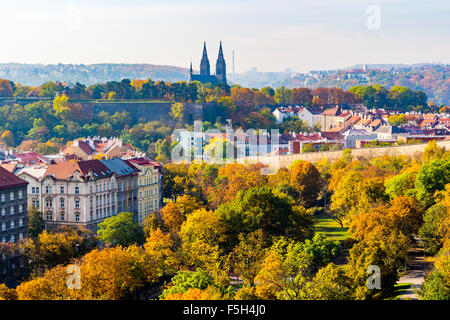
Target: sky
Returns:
[301, 35]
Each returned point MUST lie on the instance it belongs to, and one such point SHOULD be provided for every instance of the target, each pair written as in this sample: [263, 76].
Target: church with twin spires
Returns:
[205, 75]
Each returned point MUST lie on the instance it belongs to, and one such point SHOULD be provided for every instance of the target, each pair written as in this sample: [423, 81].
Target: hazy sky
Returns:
[270, 35]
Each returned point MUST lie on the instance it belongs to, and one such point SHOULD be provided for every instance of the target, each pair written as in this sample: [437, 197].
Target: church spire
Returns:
[220, 51]
[221, 69]
[204, 64]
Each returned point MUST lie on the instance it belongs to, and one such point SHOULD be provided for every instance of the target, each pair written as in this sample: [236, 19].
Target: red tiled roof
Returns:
[62, 170]
[363, 122]
[375, 123]
[331, 112]
[354, 119]
[144, 162]
[85, 147]
[9, 180]
[30, 157]
[9, 166]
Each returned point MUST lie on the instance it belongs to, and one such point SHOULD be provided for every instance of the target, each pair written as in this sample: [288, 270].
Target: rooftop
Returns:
[9, 180]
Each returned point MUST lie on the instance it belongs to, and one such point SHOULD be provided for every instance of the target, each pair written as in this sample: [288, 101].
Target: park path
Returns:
[415, 274]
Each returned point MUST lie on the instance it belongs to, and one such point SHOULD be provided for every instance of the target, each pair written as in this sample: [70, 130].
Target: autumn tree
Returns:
[301, 96]
[261, 208]
[7, 293]
[160, 250]
[284, 273]
[51, 249]
[246, 258]
[6, 89]
[306, 179]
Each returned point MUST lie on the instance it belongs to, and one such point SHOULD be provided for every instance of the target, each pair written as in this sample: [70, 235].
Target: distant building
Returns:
[89, 148]
[205, 75]
[329, 117]
[309, 116]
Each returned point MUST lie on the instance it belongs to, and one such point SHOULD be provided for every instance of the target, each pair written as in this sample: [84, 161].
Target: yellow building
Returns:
[149, 186]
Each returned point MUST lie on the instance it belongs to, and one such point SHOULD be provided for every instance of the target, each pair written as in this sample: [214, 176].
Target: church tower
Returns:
[204, 64]
[221, 68]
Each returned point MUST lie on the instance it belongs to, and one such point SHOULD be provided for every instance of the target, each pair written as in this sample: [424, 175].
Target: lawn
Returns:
[330, 228]
[399, 289]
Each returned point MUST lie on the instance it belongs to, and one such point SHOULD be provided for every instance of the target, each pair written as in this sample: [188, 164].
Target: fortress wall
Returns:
[285, 161]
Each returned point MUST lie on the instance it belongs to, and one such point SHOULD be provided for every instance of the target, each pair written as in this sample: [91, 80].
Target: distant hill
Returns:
[37, 74]
[434, 80]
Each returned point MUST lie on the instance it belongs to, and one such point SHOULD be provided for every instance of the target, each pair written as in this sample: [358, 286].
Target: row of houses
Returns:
[335, 118]
[355, 129]
[84, 193]
[73, 191]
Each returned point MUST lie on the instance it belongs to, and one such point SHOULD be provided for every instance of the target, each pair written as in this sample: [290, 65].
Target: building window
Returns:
[12, 225]
[48, 189]
[20, 194]
[3, 226]
[61, 189]
[20, 208]
[13, 239]
[37, 190]
[77, 203]
[21, 237]
[11, 196]
[49, 203]
[62, 216]
[12, 210]
[77, 190]
[77, 217]
[61, 203]
[3, 197]
[33, 190]
[20, 222]
[3, 211]
[49, 215]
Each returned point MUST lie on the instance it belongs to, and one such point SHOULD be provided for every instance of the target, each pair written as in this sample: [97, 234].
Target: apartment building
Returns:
[13, 207]
[78, 194]
[127, 185]
[149, 186]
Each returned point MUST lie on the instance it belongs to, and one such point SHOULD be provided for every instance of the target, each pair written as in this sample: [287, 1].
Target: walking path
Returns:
[415, 274]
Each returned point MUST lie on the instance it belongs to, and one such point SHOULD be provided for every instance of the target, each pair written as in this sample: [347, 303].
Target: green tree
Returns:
[120, 230]
[185, 280]
[35, 222]
[432, 177]
[433, 230]
[283, 95]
